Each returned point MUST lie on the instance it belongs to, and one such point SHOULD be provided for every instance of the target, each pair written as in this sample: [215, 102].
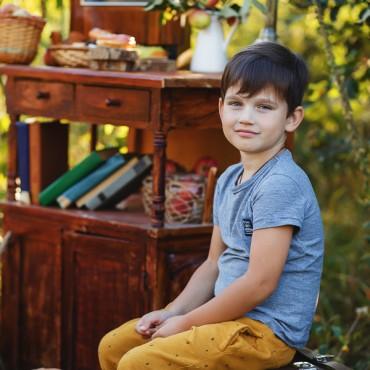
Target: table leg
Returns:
[12, 157]
[159, 173]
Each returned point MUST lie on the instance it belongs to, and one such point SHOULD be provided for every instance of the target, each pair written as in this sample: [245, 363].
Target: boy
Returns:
[252, 301]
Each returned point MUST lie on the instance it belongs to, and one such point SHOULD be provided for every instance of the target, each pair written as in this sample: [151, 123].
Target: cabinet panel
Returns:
[115, 105]
[103, 287]
[31, 298]
[40, 304]
[37, 97]
[180, 268]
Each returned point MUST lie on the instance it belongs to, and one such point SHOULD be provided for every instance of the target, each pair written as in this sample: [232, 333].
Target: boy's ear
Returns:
[220, 106]
[294, 119]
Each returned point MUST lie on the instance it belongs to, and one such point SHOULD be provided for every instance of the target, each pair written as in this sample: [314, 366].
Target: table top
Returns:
[161, 80]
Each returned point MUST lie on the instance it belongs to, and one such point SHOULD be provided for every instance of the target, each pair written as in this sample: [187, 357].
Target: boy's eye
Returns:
[234, 103]
[264, 106]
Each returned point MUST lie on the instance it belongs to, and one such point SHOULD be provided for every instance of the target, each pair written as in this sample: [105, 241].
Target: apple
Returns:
[231, 20]
[199, 19]
[170, 167]
[209, 3]
[203, 165]
[181, 203]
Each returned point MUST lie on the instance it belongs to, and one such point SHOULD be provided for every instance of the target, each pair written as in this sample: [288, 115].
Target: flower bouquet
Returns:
[199, 12]
[209, 54]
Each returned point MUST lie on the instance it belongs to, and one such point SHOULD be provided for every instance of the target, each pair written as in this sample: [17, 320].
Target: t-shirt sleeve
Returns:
[278, 202]
[215, 205]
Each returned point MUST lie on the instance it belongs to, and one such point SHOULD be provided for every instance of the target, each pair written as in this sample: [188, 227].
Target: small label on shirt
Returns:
[247, 227]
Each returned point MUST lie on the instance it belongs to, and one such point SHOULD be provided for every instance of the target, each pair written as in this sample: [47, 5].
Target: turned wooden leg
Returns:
[159, 173]
[12, 157]
[94, 137]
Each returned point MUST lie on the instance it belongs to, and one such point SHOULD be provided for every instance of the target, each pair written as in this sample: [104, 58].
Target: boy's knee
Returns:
[106, 352]
[134, 360]
[116, 343]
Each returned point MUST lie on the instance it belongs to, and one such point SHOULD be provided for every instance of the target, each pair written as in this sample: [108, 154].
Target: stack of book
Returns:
[100, 180]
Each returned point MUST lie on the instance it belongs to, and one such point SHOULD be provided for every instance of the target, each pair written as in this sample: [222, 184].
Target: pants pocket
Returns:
[234, 330]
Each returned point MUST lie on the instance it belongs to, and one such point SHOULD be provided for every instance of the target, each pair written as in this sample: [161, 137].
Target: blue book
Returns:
[129, 181]
[23, 159]
[83, 186]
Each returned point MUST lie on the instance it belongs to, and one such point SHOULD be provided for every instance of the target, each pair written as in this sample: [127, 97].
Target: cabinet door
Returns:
[177, 260]
[103, 288]
[31, 295]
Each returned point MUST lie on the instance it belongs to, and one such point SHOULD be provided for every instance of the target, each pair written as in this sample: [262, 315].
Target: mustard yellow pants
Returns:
[243, 344]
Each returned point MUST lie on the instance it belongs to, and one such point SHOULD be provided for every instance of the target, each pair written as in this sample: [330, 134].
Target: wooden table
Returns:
[152, 101]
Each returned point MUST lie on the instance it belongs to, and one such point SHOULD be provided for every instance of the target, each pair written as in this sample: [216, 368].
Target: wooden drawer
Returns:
[38, 97]
[113, 105]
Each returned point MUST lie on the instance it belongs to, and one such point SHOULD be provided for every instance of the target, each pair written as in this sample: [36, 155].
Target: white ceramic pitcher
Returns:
[210, 48]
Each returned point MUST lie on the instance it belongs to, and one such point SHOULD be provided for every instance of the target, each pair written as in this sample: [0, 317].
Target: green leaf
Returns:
[337, 331]
[228, 12]
[59, 4]
[245, 9]
[175, 4]
[302, 4]
[154, 4]
[364, 16]
[323, 348]
[260, 6]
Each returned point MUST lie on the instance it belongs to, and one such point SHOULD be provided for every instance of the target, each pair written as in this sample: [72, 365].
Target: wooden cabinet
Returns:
[104, 285]
[31, 293]
[69, 277]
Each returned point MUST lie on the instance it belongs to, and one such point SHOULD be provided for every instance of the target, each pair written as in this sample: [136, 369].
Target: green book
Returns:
[50, 194]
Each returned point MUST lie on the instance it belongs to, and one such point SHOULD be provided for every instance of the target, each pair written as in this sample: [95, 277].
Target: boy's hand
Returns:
[149, 323]
[173, 325]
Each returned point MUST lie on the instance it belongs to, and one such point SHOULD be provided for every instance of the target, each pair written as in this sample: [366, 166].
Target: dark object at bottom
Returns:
[305, 359]
[2, 366]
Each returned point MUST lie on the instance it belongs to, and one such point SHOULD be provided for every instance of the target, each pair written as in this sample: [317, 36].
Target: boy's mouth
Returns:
[246, 133]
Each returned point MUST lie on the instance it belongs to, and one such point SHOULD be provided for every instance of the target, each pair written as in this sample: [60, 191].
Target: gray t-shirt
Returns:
[280, 193]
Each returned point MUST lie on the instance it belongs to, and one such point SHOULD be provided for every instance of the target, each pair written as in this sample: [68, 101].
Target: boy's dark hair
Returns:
[266, 64]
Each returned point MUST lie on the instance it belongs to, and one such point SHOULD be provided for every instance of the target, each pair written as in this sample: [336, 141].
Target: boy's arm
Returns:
[269, 250]
[198, 290]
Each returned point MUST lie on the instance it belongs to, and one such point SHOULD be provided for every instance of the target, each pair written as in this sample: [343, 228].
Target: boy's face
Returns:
[259, 123]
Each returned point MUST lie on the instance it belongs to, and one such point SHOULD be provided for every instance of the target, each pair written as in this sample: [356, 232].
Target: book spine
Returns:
[23, 154]
[83, 186]
[81, 202]
[82, 169]
[122, 186]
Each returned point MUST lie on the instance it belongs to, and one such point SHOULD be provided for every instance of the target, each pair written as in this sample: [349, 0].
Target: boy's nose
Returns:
[246, 116]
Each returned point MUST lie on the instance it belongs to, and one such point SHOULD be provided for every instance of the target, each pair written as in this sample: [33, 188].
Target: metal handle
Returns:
[304, 365]
[42, 95]
[112, 102]
[324, 358]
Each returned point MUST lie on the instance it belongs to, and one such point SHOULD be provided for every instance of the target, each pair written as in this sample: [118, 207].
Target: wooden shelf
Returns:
[114, 220]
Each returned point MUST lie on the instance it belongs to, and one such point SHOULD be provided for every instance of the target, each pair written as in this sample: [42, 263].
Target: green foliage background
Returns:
[334, 153]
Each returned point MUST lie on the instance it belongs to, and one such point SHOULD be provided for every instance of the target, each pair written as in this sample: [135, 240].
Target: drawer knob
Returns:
[112, 102]
[42, 95]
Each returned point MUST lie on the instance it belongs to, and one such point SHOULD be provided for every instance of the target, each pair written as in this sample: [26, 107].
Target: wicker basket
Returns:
[19, 38]
[70, 56]
[184, 198]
